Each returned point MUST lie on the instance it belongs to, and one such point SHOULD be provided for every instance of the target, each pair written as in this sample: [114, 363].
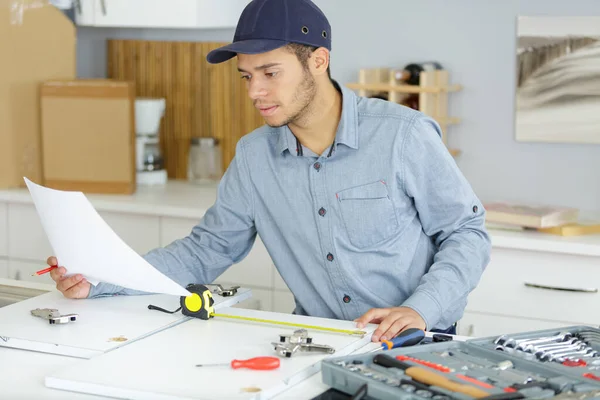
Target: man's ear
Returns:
[319, 61]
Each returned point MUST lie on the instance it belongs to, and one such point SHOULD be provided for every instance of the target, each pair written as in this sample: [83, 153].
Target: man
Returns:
[358, 202]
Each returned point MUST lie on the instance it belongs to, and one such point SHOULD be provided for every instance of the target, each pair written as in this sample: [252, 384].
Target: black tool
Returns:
[505, 396]
[439, 337]
[539, 384]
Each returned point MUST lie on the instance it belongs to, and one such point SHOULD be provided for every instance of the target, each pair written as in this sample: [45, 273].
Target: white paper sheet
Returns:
[85, 244]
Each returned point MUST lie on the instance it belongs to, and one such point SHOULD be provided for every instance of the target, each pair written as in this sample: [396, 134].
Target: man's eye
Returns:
[246, 77]
[271, 74]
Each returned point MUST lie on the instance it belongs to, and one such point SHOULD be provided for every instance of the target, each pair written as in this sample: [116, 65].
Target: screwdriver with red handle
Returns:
[256, 363]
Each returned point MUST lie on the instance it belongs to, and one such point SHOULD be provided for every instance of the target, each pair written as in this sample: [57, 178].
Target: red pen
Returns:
[43, 271]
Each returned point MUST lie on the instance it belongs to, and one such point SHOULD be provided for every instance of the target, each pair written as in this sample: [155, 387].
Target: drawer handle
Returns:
[583, 290]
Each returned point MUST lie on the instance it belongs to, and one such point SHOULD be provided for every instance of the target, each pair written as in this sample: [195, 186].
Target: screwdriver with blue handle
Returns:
[409, 337]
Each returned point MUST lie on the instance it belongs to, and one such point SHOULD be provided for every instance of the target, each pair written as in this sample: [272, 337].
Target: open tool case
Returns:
[552, 363]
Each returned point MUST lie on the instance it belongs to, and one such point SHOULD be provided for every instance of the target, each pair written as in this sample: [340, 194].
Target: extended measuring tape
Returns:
[200, 304]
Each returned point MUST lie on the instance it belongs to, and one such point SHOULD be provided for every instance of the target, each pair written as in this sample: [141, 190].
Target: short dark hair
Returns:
[303, 52]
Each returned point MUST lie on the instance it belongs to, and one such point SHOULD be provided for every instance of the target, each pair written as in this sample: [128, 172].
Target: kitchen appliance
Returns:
[205, 160]
[150, 165]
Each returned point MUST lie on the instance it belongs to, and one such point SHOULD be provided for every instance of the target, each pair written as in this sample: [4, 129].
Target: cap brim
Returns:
[253, 46]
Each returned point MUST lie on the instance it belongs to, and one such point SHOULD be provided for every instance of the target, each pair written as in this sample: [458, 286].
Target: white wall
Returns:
[476, 41]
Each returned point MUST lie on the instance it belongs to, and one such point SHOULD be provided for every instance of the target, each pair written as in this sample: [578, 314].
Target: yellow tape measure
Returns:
[200, 305]
[269, 321]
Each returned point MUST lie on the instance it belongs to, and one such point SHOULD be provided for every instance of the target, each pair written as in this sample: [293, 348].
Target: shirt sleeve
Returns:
[224, 236]
[452, 215]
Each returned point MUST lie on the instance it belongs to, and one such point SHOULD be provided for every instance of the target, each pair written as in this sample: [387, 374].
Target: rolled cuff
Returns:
[426, 306]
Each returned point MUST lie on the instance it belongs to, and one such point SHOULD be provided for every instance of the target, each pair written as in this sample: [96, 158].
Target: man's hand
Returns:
[392, 321]
[74, 287]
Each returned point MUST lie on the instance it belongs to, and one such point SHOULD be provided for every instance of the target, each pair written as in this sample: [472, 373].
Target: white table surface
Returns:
[22, 375]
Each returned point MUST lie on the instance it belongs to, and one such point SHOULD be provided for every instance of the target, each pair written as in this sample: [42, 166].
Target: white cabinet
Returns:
[539, 285]
[278, 282]
[261, 300]
[26, 236]
[220, 14]
[140, 232]
[21, 270]
[3, 229]
[27, 239]
[172, 229]
[283, 301]
[256, 270]
[483, 325]
[160, 13]
[3, 268]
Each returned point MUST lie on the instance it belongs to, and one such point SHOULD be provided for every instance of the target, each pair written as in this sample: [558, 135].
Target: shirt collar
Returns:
[347, 132]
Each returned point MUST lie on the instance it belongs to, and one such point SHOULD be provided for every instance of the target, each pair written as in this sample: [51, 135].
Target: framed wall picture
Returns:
[557, 97]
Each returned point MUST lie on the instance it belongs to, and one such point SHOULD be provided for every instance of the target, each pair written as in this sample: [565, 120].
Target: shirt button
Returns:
[475, 208]
[347, 299]
[329, 257]
[322, 211]
[317, 166]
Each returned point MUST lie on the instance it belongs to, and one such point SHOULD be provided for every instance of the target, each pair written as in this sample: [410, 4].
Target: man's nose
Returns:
[256, 89]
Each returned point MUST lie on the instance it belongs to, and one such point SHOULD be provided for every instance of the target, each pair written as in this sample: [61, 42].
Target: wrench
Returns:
[505, 340]
[574, 347]
[533, 347]
[558, 355]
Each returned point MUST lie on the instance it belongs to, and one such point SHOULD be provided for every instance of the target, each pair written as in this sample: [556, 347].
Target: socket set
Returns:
[475, 369]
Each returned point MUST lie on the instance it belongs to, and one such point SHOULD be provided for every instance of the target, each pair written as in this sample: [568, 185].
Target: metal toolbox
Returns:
[551, 363]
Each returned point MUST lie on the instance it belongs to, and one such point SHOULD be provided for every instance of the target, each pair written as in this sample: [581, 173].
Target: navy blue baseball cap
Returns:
[267, 25]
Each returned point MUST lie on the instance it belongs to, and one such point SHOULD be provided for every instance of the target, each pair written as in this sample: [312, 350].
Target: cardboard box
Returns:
[37, 43]
[88, 135]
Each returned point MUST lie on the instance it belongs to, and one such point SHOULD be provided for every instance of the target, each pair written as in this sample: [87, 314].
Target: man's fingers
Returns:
[398, 326]
[66, 284]
[52, 261]
[78, 291]
[58, 273]
[370, 316]
[384, 325]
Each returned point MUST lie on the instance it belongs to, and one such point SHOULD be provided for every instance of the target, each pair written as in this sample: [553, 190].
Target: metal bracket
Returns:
[299, 341]
[225, 292]
[53, 316]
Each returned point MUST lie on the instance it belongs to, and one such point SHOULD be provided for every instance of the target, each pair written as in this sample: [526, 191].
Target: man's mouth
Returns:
[266, 111]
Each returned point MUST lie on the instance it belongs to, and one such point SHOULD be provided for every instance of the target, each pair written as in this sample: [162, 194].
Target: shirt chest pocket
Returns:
[368, 213]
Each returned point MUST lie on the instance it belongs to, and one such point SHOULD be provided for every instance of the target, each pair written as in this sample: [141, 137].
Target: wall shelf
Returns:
[432, 92]
[384, 87]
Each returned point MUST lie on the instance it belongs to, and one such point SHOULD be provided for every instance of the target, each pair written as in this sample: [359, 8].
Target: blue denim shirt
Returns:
[382, 218]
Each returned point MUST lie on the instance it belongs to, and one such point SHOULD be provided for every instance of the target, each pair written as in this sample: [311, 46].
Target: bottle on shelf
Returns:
[411, 100]
[411, 73]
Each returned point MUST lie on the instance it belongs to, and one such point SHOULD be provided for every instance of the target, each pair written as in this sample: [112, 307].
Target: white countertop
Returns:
[175, 199]
[186, 200]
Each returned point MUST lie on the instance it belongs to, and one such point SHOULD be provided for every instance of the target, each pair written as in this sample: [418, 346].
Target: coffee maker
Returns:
[150, 166]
